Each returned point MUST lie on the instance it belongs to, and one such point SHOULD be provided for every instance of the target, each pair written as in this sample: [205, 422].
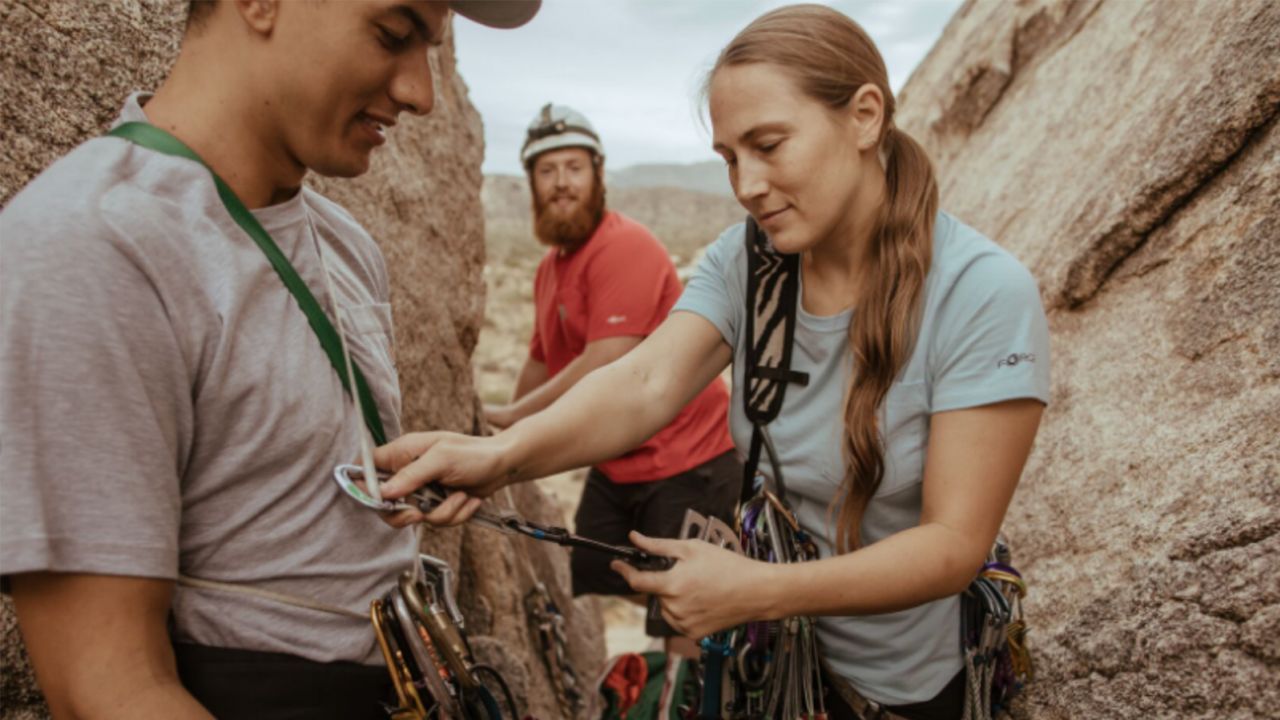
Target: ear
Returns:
[866, 115]
[259, 15]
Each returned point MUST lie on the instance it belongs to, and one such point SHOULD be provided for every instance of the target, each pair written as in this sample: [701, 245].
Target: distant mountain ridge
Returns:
[708, 177]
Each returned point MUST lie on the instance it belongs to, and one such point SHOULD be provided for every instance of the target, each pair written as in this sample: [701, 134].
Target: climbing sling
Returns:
[766, 669]
[153, 138]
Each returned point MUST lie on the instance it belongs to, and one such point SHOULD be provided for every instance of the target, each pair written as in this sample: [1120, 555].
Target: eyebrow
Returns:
[751, 134]
[420, 25]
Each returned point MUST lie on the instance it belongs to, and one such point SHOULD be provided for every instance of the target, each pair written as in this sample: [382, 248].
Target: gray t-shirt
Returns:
[165, 408]
[983, 339]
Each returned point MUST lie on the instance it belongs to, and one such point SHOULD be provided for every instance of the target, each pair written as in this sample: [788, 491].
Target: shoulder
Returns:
[620, 235]
[342, 224]
[967, 265]
[343, 228]
[729, 250]
[106, 193]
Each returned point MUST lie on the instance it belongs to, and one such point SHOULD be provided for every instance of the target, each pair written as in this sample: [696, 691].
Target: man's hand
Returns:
[500, 417]
[99, 645]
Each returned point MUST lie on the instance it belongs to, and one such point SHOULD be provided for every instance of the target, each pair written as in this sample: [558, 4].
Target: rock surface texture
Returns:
[1128, 153]
[66, 66]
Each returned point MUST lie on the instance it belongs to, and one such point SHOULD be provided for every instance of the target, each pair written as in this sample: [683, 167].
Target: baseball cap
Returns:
[559, 126]
[503, 14]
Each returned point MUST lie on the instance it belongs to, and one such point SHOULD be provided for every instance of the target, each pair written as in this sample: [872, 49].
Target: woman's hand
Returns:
[471, 464]
[709, 588]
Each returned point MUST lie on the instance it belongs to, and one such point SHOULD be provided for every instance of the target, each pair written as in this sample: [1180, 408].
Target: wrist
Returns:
[776, 583]
[510, 460]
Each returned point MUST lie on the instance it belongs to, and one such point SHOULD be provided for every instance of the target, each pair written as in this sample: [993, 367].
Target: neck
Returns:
[833, 266]
[212, 108]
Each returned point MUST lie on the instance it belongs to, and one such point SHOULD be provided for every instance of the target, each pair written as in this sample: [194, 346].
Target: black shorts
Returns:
[609, 511]
[234, 684]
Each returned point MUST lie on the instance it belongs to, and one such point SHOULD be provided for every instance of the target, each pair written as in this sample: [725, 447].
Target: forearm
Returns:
[100, 647]
[904, 570]
[158, 700]
[532, 374]
[532, 397]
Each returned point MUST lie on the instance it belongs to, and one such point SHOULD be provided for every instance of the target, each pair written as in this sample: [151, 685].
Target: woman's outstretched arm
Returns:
[612, 410]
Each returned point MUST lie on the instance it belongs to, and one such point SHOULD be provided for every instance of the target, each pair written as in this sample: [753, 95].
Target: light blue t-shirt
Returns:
[983, 339]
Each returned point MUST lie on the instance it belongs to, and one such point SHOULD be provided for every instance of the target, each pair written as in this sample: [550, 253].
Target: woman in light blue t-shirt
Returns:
[927, 353]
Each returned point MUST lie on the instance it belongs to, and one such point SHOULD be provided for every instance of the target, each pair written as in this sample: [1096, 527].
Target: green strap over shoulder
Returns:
[153, 138]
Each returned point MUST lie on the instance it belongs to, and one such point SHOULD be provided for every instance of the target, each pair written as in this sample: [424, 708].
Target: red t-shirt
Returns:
[622, 282]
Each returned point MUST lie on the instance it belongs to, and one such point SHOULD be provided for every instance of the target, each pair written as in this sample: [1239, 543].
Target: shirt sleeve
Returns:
[991, 341]
[625, 283]
[95, 403]
[717, 289]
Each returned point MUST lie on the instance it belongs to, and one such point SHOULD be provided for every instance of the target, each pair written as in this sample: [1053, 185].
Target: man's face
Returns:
[353, 67]
[568, 197]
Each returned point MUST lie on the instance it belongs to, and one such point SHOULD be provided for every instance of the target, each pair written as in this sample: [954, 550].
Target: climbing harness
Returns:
[420, 633]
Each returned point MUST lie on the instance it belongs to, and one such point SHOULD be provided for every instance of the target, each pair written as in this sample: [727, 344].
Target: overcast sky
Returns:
[634, 67]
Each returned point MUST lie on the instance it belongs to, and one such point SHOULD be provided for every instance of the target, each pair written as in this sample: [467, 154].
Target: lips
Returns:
[374, 127]
[772, 215]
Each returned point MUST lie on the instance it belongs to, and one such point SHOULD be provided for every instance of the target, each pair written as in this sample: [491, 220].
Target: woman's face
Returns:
[794, 163]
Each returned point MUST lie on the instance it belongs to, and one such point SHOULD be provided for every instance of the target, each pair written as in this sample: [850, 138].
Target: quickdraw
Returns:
[760, 669]
[432, 669]
[547, 623]
[351, 479]
[993, 636]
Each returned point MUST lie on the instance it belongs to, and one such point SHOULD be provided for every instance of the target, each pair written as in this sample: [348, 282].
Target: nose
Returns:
[749, 182]
[413, 87]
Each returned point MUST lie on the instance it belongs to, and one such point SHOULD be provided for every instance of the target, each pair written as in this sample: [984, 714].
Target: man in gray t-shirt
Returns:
[169, 421]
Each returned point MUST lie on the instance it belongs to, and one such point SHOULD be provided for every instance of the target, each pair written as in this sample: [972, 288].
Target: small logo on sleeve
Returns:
[1015, 359]
[616, 319]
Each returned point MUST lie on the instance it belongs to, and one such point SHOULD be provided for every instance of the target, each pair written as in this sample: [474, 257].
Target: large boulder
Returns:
[1128, 153]
[67, 65]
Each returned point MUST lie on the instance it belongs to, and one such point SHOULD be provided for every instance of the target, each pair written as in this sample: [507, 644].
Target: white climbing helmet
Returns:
[559, 126]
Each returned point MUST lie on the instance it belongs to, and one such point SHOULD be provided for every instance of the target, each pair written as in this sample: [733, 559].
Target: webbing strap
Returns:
[773, 289]
[283, 599]
[153, 138]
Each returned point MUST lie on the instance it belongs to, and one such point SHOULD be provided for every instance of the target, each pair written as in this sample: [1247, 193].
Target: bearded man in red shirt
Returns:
[606, 283]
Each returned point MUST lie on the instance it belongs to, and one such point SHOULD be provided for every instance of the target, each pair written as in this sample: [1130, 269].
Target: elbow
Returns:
[962, 559]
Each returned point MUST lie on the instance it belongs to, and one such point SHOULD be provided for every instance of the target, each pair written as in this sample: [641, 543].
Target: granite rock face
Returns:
[66, 67]
[1128, 153]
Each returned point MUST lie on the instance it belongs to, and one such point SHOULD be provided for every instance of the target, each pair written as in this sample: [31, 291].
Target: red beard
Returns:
[572, 230]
